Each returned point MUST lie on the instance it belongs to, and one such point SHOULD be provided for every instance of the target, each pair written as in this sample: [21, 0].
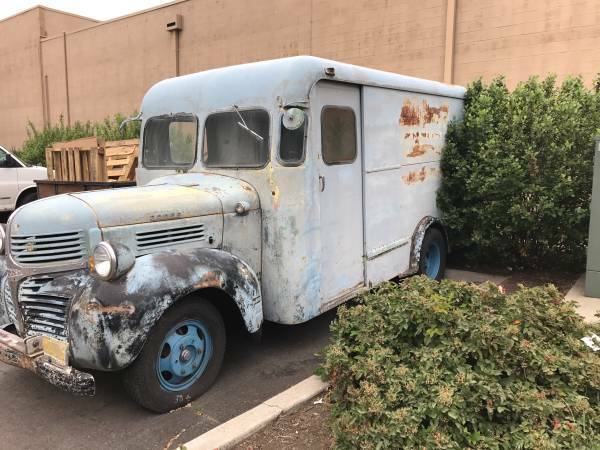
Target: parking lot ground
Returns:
[34, 415]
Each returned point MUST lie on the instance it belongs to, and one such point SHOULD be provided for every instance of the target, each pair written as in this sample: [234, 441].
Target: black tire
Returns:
[27, 198]
[141, 380]
[433, 239]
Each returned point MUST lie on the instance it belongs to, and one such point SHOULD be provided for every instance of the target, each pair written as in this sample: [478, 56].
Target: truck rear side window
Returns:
[231, 142]
[338, 135]
[170, 141]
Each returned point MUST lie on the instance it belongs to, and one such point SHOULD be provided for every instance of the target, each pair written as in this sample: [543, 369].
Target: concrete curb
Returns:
[587, 307]
[239, 428]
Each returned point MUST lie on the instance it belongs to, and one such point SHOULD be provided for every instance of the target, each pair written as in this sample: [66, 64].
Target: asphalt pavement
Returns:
[35, 415]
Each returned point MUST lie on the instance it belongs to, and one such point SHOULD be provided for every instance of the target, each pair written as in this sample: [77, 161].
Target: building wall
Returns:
[110, 65]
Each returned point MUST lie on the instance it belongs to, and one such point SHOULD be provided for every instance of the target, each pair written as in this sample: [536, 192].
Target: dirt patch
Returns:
[562, 281]
[305, 428]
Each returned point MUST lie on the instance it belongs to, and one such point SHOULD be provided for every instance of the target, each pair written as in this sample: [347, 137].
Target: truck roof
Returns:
[290, 78]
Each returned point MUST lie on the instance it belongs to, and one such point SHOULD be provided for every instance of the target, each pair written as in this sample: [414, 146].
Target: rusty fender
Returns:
[417, 241]
[111, 320]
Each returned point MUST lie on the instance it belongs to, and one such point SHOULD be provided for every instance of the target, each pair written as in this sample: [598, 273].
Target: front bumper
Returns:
[30, 354]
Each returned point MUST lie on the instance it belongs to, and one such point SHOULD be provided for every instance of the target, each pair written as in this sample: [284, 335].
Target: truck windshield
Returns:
[170, 141]
[229, 144]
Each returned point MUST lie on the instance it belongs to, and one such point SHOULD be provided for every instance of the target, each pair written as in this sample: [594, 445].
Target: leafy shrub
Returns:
[452, 365]
[34, 148]
[517, 173]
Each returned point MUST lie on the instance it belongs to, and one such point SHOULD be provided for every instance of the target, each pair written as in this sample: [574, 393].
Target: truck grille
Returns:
[43, 312]
[10, 307]
[148, 240]
[44, 249]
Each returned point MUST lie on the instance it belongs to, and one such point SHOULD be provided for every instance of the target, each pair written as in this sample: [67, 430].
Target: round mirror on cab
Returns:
[293, 118]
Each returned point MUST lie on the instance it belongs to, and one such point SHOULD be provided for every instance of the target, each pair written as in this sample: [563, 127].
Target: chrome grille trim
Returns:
[8, 302]
[44, 249]
[148, 240]
[44, 312]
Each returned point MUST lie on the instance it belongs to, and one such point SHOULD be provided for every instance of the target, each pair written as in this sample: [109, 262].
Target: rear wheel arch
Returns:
[25, 194]
[418, 236]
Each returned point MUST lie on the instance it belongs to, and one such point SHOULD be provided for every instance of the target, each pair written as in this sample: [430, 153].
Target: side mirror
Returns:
[293, 118]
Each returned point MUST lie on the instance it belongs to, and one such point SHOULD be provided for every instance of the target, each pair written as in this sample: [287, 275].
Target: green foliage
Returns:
[517, 173]
[451, 365]
[34, 148]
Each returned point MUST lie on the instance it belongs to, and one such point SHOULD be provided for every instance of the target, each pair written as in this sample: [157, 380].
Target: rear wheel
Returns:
[181, 358]
[432, 261]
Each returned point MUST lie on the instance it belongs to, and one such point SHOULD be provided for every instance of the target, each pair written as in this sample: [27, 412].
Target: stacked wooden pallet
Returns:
[92, 159]
[121, 159]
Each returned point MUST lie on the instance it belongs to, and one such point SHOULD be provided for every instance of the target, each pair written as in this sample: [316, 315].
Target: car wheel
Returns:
[27, 198]
[181, 358]
[432, 261]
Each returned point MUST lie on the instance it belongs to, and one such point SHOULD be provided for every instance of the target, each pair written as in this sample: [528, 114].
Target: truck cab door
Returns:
[336, 125]
[9, 182]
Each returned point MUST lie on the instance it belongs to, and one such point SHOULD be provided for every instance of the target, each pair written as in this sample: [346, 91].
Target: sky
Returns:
[95, 9]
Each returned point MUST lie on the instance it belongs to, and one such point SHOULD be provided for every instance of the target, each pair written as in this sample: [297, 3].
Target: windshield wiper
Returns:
[243, 125]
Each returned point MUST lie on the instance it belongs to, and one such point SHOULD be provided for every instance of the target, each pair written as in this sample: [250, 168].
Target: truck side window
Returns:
[338, 135]
[293, 141]
[170, 141]
[3, 159]
[227, 144]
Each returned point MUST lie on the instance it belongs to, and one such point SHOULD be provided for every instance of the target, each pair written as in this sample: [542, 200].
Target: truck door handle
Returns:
[322, 182]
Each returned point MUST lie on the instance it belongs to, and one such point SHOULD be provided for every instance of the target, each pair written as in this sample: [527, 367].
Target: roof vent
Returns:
[176, 24]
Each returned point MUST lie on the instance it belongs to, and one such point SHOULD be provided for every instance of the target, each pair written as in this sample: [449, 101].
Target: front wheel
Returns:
[432, 261]
[181, 358]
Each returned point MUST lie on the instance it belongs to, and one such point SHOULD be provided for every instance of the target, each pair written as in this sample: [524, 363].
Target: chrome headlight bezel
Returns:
[109, 255]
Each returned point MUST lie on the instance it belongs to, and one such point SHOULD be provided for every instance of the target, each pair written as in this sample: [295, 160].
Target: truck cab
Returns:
[278, 189]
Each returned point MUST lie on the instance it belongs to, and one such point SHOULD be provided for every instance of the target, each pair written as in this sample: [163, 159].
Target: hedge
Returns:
[452, 365]
[517, 173]
[33, 150]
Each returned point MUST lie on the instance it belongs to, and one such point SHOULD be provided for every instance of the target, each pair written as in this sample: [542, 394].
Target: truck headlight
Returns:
[104, 261]
[2, 240]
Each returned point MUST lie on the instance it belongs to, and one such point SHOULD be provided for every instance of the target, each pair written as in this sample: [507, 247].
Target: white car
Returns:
[17, 185]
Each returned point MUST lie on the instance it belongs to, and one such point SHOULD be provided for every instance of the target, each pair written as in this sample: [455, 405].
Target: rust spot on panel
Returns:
[409, 114]
[433, 114]
[418, 176]
[96, 307]
[210, 279]
[419, 150]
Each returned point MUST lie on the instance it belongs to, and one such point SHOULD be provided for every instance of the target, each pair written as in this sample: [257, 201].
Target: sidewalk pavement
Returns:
[588, 307]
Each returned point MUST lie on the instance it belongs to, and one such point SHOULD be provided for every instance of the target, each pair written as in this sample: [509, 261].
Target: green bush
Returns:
[451, 365]
[517, 173]
[34, 148]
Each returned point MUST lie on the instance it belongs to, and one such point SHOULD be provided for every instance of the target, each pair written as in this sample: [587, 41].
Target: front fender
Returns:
[111, 321]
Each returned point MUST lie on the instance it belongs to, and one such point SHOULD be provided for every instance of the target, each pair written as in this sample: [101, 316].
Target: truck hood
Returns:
[167, 198]
[129, 206]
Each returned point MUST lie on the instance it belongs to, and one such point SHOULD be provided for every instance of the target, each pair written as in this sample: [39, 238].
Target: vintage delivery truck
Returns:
[279, 189]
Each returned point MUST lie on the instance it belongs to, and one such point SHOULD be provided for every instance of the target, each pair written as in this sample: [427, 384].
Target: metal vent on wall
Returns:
[149, 240]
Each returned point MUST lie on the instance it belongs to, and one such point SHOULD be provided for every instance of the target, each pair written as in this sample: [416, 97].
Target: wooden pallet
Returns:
[78, 160]
[92, 159]
[121, 159]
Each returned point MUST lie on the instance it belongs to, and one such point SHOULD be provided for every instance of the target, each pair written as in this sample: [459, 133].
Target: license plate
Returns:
[57, 350]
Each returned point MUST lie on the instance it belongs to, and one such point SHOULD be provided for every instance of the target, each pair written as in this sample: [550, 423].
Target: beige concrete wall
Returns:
[520, 38]
[20, 83]
[112, 64]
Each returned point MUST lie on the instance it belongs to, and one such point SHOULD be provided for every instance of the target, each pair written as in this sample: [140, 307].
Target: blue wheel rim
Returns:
[433, 260]
[183, 355]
